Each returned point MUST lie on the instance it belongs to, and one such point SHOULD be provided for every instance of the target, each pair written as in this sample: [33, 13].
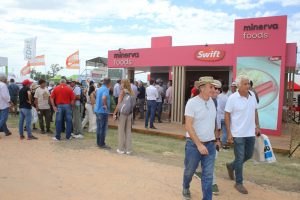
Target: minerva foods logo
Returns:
[210, 55]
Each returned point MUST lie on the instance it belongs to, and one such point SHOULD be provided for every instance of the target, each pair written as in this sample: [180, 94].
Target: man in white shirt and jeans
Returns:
[5, 103]
[200, 120]
[152, 95]
[242, 124]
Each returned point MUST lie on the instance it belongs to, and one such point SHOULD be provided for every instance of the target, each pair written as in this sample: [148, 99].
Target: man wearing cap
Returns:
[200, 119]
[233, 88]
[25, 110]
[242, 124]
[78, 109]
[62, 99]
[5, 103]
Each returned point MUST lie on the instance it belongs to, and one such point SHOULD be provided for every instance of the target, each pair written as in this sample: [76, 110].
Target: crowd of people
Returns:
[216, 116]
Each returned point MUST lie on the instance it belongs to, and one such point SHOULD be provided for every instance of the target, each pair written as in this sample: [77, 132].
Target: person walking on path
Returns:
[200, 119]
[5, 103]
[159, 100]
[42, 104]
[152, 95]
[25, 110]
[14, 89]
[141, 99]
[242, 124]
[62, 99]
[90, 116]
[102, 110]
[222, 99]
[117, 89]
[126, 99]
[169, 99]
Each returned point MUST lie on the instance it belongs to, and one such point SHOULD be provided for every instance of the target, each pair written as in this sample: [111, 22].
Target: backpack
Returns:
[127, 104]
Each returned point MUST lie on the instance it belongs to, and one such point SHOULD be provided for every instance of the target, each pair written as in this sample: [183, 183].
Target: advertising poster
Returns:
[265, 74]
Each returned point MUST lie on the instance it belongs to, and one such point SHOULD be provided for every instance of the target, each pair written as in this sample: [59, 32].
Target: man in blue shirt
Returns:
[102, 111]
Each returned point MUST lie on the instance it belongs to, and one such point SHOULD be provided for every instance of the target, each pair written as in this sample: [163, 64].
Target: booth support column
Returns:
[179, 75]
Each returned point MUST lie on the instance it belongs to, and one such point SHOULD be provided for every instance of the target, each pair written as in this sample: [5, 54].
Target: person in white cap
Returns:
[200, 119]
[233, 88]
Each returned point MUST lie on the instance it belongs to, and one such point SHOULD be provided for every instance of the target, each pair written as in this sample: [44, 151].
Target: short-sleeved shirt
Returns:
[160, 92]
[242, 114]
[194, 92]
[62, 94]
[23, 97]
[13, 91]
[151, 93]
[204, 114]
[42, 96]
[102, 91]
[77, 92]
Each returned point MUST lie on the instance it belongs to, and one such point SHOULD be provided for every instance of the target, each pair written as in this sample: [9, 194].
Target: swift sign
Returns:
[210, 55]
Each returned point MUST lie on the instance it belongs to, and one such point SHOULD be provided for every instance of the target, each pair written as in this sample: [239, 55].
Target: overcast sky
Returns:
[93, 27]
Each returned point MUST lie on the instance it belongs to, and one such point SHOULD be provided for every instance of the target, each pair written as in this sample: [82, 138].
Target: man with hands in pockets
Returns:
[200, 121]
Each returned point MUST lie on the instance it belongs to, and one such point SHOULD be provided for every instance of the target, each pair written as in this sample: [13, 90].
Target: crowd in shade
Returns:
[216, 116]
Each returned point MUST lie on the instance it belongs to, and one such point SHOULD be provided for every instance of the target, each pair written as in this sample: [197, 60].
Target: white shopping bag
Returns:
[269, 154]
[34, 114]
[259, 150]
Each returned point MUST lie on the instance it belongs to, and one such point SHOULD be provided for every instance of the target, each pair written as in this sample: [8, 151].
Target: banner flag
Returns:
[29, 48]
[37, 61]
[72, 61]
[25, 70]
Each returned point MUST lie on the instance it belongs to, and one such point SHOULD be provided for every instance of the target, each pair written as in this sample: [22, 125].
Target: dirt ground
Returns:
[44, 169]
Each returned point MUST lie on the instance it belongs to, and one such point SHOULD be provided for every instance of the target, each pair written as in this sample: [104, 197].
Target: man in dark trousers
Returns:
[141, 98]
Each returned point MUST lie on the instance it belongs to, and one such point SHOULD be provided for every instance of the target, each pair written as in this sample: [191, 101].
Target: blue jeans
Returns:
[159, 110]
[25, 114]
[243, 151]
[191, 162]
[151, 107]
[224, 132]
[3, 119]
[64, 113]
[102, 125]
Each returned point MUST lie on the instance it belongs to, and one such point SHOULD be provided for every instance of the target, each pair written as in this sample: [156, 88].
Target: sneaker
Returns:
[186, 194]
[55, 139]
[198, 175]
[79, 136]
[120, 152]
[32, 138]
[241, 188]
[22, 137]
[153, 127]
[215, 189]
[230, 171]
[129, 152]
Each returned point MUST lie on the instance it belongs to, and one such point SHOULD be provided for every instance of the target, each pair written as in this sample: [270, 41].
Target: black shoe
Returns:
[49, 132]
[186, 194]
[8, 134]
[105, 147]
[22, 137]
[43, 132]
[32, 138]
[153, 127]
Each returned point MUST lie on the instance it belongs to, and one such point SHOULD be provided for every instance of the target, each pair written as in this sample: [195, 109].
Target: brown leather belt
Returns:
[209, 142]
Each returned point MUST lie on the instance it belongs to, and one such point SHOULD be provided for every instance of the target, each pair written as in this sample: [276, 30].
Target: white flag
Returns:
[29, 48]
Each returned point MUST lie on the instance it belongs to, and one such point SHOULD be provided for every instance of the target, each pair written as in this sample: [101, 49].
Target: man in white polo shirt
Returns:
[242, 124]
[200, 119]
[152, 95]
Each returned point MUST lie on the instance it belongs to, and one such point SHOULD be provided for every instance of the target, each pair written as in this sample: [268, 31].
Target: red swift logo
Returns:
[210, 55]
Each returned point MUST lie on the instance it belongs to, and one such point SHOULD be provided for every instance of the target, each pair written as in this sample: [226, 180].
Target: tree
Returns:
[54, 69]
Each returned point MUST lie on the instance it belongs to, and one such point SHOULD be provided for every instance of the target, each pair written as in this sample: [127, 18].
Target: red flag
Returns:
[38, 61]
[26, 69]
[72, 61]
